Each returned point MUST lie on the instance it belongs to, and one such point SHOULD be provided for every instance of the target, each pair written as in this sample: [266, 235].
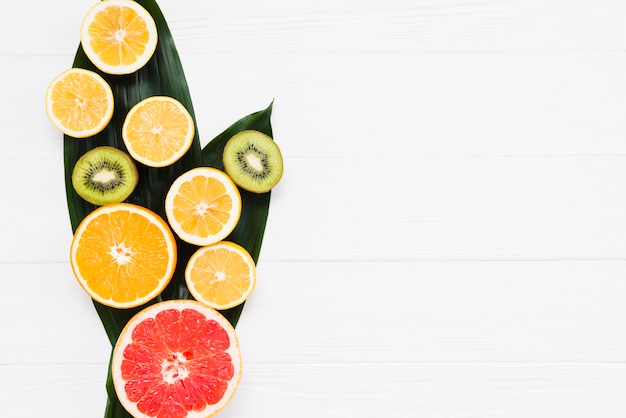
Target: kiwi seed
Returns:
[104, 175]
[253, 160]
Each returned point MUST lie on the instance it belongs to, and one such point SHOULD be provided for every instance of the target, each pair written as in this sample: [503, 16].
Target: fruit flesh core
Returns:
[254, 162]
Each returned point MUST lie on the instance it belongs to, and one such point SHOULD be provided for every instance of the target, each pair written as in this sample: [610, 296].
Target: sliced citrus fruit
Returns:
[221, 275]
[203, 206]
[118, 36]
[158, 131]
[176, 359]
[123, 255]
[79, 102]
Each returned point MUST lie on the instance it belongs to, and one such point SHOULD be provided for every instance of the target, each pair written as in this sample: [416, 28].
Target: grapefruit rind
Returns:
[155, 220]
[149, 313]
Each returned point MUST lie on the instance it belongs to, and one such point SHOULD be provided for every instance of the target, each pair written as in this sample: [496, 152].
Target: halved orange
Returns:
[221, 275]
[158, 131]
[203, 206]
[79, 102]
[118, 36]
[123, 255]
[176, 359]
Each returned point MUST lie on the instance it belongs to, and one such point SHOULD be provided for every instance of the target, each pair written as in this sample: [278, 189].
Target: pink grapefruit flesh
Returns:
[176, 359]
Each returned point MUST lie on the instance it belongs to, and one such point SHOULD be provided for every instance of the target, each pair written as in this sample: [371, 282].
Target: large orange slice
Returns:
[118, 36]
[79, 102]
[123, 255]
[158, 131]
[221, 275]
[203, 206]
[176, 359]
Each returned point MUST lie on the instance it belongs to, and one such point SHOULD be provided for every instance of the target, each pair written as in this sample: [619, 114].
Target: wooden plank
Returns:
[416, 209]
[71, 391]
[384, 390]
[366, 106]
[402, 313]
[349, 25]
[360, 312]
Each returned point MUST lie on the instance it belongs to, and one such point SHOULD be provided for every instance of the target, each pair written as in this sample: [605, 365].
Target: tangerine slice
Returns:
[158, 131]
[79, 102]
[118, 36]
[176, 359]
[123, 255]
[203, 206]
[221, 275]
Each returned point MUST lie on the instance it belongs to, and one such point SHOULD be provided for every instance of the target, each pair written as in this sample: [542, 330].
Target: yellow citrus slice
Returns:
[221, 275]
[203, 206]
[79, 102]
[123, 255]
[176, 359]
[118, 36]
[158, 131]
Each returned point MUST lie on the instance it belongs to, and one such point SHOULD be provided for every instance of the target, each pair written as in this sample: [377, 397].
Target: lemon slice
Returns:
[221, 275]
[158, 131]
[79, 102]
[203, 206]
[118, 36]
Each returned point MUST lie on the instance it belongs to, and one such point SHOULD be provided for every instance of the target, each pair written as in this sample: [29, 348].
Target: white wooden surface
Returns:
[449, 238]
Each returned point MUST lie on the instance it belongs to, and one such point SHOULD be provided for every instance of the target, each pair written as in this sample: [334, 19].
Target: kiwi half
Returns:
[253, 160]
[104, 175]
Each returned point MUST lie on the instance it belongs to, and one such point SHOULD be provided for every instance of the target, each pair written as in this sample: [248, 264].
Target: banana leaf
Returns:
[162, 75]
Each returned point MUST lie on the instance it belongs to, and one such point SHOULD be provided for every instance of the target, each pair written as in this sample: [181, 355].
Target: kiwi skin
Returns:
[117, 168]
[253, 160]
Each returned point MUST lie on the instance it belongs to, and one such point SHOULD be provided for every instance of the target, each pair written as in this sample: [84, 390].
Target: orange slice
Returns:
[123, 255]
[203, 206]
[221, 275]
[158, 131]
[79, 102]
[176, 359]
[118, 36]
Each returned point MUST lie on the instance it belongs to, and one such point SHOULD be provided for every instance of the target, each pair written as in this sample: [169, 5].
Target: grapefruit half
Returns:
[176, 359]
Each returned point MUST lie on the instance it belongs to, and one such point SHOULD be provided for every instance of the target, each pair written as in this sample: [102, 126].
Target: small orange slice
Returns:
[158, 131]
[79, 102]
[203, 206]
[118, 36]
[221, 275]
[123, 255]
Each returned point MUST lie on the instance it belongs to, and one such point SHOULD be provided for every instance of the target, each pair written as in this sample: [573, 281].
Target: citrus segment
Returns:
[203, 206]
[79, 102]
[221, 275]
[123, 255]
[176, 359]
[158, 131]
[118, 36]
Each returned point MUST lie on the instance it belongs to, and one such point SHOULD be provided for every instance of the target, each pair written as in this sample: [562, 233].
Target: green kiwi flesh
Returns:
[253, 160]
[104, 175]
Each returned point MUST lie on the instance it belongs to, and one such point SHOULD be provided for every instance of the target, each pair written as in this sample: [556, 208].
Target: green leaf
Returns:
[255, 207]
[162, 75]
